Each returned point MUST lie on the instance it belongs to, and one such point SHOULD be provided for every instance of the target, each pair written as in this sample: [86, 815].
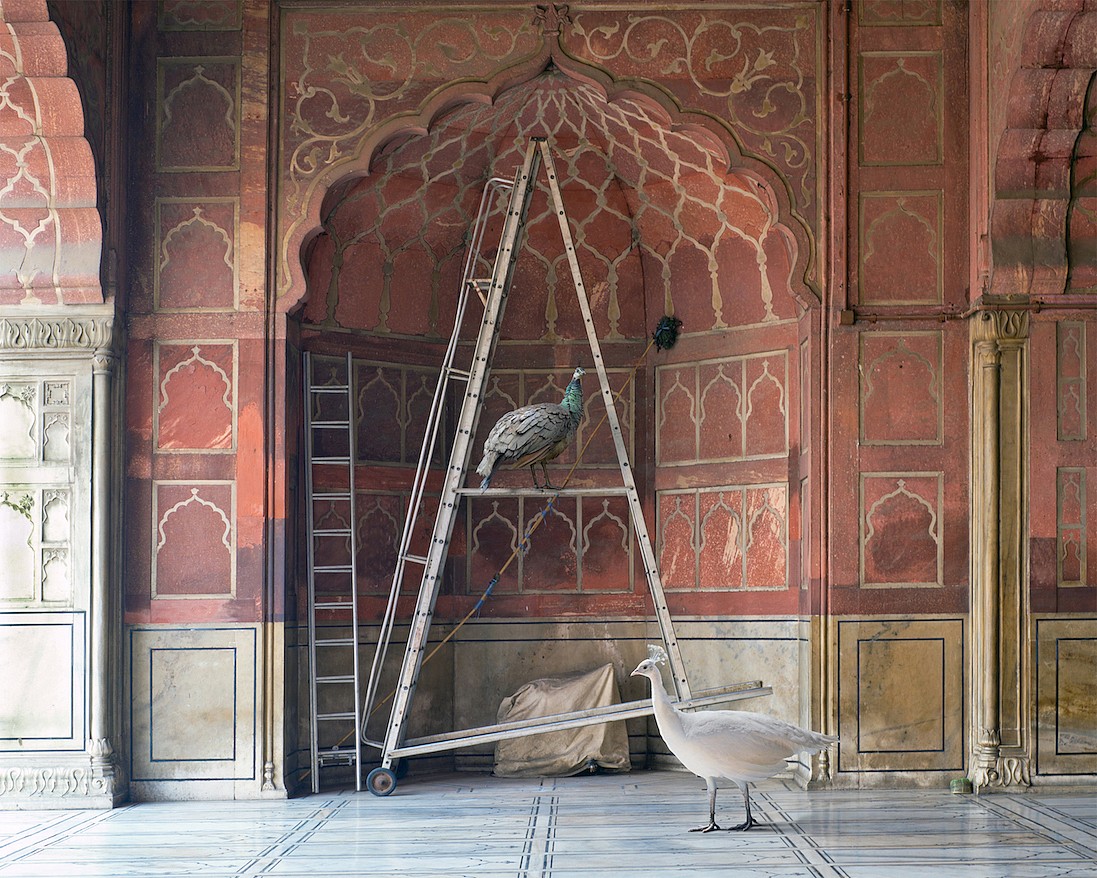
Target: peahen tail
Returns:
[487, 468]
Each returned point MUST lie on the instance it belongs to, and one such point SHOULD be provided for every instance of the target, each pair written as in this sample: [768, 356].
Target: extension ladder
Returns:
[493, 294]
[331, 579]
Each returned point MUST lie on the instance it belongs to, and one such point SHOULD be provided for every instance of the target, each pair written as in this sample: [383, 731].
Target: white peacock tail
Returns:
[657, 654]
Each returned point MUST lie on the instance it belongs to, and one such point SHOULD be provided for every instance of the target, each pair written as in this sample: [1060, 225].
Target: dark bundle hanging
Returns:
[666, 332]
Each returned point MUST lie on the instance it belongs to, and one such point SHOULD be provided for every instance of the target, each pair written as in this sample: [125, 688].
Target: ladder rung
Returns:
[336, 678]
[418, 559]
[332, 605]
[331, 532]
[334, 641]
[330, 461]
[325, 717]
[463, 374]
[335, 757]
[330, 425]
[333, 568]
[330, 388]
[330, 495]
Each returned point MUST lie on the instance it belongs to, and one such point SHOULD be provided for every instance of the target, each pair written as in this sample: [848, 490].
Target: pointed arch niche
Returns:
[668, 218]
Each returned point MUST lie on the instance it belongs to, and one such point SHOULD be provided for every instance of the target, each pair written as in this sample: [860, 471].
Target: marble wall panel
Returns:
[883, 726]
[194, 539]
[198, 114]
[192, 703]
[1071, 526]
[42, 705]
[1070, 375]
[195, 408]
[901, 247]
[1066, 695]
[901, 388]
[901, 116]
[196, 266]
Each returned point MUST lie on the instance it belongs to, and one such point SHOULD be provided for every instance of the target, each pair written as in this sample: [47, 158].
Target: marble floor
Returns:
[602, 825]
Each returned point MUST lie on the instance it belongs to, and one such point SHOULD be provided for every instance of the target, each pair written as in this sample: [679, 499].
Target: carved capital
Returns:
[56, 333]
[1000, 326]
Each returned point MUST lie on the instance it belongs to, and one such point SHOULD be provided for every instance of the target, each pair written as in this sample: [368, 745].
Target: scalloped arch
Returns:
[388, 134]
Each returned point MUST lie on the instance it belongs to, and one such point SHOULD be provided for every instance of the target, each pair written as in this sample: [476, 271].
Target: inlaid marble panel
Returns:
[900, 108]
[901, 247]
[198, 114]
[901, 388]
[202, 15]
[883, 726]
[42, 705]
[194, 539]
[902, 543]
[899, 13]
[195, 265]
[1070, 379]
[195, 396]
[1066, 695]
[193, 703]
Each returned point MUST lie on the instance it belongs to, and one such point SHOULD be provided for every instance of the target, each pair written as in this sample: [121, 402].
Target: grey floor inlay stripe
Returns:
[584, 827]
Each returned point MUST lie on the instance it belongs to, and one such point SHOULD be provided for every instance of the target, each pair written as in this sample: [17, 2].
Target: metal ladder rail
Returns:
[492, 189]
[312, 392]
[502, 273]
[651, 568]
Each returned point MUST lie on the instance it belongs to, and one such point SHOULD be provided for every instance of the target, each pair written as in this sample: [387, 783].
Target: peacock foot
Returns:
[712, 827]
[742, 827]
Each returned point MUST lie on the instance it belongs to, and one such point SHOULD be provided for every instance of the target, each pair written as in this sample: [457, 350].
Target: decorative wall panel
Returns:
[198, 114]
[902, 544]
[1071, 375]
[196, 268]
[901, 388]
[1066, 695]
[899, 13]
[207, 15]
[730, 538]
[195, 407]
[194, 539]
[1073, 534]
[723, 410]
[880, 663]
[192, 703]
[901, 114]
[901, 247]
[42, 706]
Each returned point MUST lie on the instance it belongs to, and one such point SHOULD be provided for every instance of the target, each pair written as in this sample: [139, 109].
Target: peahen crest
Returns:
[657, 654]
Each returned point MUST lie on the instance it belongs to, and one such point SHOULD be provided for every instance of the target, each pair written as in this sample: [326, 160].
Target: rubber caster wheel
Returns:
[381, 781]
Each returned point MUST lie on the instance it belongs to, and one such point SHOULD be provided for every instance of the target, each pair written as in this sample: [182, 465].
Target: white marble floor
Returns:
[623, 825]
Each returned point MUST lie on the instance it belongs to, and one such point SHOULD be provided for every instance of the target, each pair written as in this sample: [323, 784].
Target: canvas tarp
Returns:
[563, 753]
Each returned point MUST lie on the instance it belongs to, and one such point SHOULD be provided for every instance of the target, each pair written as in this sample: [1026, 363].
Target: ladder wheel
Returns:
[381, 781]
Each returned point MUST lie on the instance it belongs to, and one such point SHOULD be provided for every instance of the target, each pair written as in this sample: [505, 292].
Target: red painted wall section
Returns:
[899, 514]
[50, 233]
[660, 226]
[196, 479]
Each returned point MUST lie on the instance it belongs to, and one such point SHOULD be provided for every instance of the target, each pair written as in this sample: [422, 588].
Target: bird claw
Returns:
[742, 827]
[712, 827]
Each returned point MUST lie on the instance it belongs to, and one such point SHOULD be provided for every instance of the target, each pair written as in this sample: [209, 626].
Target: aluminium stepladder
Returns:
[493, 294]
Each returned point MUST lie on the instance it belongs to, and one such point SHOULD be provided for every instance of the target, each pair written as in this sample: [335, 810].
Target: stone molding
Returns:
[57, 333]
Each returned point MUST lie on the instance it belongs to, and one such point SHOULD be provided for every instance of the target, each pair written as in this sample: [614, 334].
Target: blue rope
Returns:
[485, 595]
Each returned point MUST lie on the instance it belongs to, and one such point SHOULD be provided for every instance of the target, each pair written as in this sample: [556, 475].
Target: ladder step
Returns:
[325, 717]
[615, 491]
[333, 568]
[334, 641]
[330, 425]
[331, 532]
[332, 605]
[418, 559]
[336, 757]
[463, 374]
[330, 388]
[330, 495]
[336, 678]
[330, 461]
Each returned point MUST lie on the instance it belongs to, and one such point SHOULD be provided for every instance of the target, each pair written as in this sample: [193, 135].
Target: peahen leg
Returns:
[533, 472]
[711, 784]
[547, 484]
[749, 822]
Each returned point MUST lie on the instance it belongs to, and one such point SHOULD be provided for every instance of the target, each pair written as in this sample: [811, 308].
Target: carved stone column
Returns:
[999, 605]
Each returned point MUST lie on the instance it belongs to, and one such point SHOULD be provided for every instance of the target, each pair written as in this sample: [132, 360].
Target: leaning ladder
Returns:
[493, 294]
[330, 518]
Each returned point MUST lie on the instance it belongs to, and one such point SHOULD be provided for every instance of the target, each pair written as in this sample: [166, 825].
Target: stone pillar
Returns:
[999, 604]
